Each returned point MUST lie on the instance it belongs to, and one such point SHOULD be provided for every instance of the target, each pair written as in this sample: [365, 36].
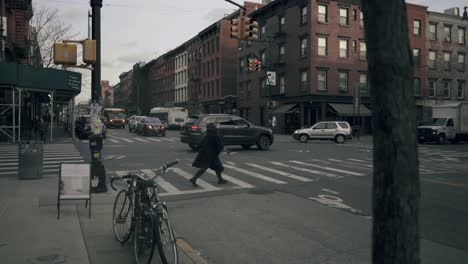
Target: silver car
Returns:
[133, 123]
[338, 131]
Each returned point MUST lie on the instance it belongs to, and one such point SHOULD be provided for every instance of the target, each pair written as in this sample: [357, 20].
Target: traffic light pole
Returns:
[96, 6]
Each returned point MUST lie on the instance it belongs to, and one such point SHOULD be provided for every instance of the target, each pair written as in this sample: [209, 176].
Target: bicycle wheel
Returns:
[121, 216]
[165, 239]
[144, 239]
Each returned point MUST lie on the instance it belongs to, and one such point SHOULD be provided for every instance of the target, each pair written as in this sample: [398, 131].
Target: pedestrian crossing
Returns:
[54, 154]
[119, 140]
[8, 160]
[423, 151]
[250, 175]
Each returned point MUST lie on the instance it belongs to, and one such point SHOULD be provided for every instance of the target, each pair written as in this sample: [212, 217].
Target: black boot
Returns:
[193, 180]
[220, 178]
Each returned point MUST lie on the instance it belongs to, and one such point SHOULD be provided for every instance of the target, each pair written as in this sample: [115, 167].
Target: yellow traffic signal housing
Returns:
[89, 51]
[250, 29]
[64, 54]
[237, 28]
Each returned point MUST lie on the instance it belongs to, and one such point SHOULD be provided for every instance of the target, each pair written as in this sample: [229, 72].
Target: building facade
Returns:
[107, 94]
[181, 79]
[318, 53]
[446, 60]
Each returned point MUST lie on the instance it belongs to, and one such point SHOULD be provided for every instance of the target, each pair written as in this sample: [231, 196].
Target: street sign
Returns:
[96, 124]
[271, 75]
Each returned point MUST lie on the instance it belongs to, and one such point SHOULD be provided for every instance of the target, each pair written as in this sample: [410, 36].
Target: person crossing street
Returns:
[208, 156]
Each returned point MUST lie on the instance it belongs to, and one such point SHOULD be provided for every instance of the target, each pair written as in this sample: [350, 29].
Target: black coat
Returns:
[208, 156]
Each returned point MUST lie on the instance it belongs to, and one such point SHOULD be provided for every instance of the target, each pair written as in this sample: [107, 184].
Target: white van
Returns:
[171, 116]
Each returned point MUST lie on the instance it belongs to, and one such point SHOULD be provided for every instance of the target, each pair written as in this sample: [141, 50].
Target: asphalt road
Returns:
[296, 203]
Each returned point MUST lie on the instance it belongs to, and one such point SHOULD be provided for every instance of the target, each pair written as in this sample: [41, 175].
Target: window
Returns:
[241, 65]
[303, 47]
[320, 126]
[461, 89]
[303, 15]
[431, 61]
[432, 87]
[282, 83]
[304, 80]
[322, 46]
[343, 48]
[262, 32]
[461, 36]
[447, 33]
[331, 125]
[447, 61]
[344, 16]
[417, 56]
[343, 81]
[362, 50]
[343, 125]
[447, 87]
[322, 81]
[461, 62]
[322, 13]
[217, 87]
[248, 88]
[417, 27]
[416, 85]
[217, 65]
[363, 83]
[361, 19]
[281, 23]
[432, 31]
[263, 57]
[282, 52]
[263, 86]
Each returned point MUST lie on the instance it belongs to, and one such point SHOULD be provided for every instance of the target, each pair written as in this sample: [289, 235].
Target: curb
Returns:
[192, 254]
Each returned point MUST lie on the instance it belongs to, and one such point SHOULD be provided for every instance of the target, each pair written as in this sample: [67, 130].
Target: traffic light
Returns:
[250, 29]
[258, 65]
[252, 64]
[64, 54]
[89, 51]
[237, 28]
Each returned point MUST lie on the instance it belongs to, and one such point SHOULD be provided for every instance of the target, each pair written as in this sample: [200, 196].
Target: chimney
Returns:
[455, 11]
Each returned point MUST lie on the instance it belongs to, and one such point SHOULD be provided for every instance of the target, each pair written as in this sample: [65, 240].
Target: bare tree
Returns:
[49, 29]
[396, 192]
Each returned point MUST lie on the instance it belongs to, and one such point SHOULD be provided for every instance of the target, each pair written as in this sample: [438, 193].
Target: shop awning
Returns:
[284, 109]
[61, 82]
[347, 110]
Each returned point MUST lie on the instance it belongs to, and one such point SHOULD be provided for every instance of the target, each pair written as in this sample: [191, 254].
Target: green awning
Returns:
[37, 78]
[284, 109]
[347, 110]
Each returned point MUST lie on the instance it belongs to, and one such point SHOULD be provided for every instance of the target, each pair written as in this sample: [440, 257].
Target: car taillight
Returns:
[195, 128]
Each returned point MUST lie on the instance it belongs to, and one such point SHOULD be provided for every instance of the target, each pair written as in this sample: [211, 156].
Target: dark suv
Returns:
[233, 130]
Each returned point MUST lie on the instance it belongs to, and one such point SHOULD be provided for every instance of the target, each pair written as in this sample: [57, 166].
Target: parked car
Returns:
[83, 127]
[151, 126]
[233, 130]
[338, 131]
[133, 122]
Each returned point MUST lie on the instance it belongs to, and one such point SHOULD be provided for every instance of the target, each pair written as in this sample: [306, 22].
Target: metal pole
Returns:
[51, 115]
[14, 114]
[73, 118]
[96, 34]
[19, 112]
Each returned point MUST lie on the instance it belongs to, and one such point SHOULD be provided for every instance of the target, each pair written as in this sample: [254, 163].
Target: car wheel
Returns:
[421, 141]
[263, 142]
[163, 135]
[441, 139]
[194, 147]
[303, 138]
[246, 146]
[340, 139]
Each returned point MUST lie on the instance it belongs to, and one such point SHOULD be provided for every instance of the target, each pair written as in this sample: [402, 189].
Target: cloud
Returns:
[135, 57]
[217, 13]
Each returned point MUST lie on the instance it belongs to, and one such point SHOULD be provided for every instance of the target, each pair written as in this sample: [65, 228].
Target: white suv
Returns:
[338, 131]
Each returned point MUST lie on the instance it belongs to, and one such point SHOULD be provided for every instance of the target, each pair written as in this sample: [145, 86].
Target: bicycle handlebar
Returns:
[132, 175]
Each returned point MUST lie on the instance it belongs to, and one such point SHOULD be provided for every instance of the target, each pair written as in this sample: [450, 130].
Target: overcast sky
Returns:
[140, 30]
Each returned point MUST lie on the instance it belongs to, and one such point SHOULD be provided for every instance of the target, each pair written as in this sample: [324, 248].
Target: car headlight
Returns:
[150, 127]
[295, 132]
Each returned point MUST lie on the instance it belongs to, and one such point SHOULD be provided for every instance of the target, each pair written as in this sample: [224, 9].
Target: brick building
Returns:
[318, 51]
[123, 93]
[446, 60]
[107, 94]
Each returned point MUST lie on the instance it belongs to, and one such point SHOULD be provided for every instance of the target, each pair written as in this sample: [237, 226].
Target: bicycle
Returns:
[138, 212]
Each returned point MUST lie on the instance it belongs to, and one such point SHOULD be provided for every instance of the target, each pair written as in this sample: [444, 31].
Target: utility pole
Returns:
[96, 6]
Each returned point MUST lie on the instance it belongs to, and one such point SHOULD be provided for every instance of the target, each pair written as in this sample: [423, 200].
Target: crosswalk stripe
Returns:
[451, 166]
[11, 172]
[142, 140]
[167, 139]
[352, 163]
[282, 173]
[62, 158]
[8, 160]
[200, 182]
[256, 175]
[58, 161]
[7, 164]
[323, 161]
[233, 180]
[113, 140]
[358, 160]
[154, 139]
[165, 185]
[9, 168]
[64, 155]
[328, 168]
[322, 173]
[52, 170]
[128, 140]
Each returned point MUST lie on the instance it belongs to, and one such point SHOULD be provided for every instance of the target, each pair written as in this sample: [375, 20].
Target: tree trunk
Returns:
[395, 237]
